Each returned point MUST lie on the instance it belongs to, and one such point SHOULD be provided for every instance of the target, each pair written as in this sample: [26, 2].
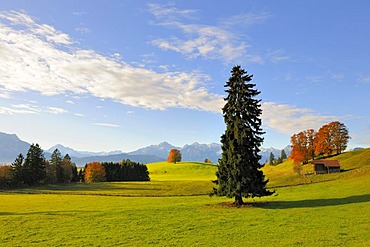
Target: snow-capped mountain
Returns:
[79, 154]
[265, 153]
[200, 152]
[11, 146]
[161, 150]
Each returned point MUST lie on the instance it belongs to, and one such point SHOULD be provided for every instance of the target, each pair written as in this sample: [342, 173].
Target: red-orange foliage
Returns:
[6, 175]
[95, 172]
[174, 156]
[331, 139]
[302, 146]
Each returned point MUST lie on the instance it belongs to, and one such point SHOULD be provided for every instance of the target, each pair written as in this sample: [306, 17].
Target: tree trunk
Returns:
[238, 200]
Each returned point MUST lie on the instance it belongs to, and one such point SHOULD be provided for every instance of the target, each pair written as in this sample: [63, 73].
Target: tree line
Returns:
[331, 139]
[34, 169]
[276, 161]
[126, 170]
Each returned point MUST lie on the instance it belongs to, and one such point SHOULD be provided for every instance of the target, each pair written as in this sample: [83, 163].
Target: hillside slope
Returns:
[353, 164]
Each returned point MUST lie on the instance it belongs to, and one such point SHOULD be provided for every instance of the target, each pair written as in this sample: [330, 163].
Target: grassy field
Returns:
[174, 210]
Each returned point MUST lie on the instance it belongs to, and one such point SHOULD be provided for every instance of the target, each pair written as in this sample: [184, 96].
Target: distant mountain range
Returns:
[11, 146]
[80, 154]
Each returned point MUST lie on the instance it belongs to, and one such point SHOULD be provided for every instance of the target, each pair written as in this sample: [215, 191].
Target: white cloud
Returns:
[36, 57]
[70, 102]
[5, 95]
[247, 19]
[56, 110]
[79, 115]
[107, 125]
[168, 11]
[82, 29]
[289, 119]
[364, 78]
[20, 109]
[206, 41]
[278, 56]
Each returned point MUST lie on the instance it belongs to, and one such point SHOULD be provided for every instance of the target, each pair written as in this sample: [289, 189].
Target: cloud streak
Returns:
[37, 57]
[107, 125]
[205, 41]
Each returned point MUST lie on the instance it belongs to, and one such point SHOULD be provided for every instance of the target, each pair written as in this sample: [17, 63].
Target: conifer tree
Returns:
[271, 159]
[239, 173]
[17, 169]
[34, 165]
[56, 163]
[283, 154]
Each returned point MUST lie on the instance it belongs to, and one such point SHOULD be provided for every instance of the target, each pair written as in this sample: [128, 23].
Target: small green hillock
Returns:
[162, 171]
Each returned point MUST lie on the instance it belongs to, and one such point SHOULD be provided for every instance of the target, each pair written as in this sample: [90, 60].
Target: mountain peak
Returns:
[11, 146]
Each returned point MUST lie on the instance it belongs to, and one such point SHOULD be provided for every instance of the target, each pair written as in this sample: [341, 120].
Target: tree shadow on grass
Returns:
[314, 202]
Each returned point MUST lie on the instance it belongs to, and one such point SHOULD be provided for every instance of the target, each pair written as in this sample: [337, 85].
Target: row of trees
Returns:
[330, 139]
[276, 161]
[35, 169]
[126, 170]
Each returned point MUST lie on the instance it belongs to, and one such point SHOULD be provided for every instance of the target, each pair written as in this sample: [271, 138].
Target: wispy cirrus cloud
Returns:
[289, 119]
[56, 110]
[37, 57]
[107, 125]
[205, 41]
[169, 11]
[19, 109]
[278, 56]
[364, 78]
[22, 109]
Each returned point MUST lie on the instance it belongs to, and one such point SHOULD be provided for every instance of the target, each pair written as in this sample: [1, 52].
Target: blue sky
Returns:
[120, 75]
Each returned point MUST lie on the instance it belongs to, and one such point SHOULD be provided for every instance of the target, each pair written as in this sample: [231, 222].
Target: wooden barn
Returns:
[326, 166]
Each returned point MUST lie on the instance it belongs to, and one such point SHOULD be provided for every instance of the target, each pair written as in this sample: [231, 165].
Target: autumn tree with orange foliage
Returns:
[331, 139]
[6, 176]
[174, 156]
[94, 172]
[303, 146]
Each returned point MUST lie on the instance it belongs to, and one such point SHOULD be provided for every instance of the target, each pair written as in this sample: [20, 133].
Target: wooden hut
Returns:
[326, 166]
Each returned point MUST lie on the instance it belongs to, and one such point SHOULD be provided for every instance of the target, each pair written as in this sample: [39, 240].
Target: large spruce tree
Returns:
[239, 173]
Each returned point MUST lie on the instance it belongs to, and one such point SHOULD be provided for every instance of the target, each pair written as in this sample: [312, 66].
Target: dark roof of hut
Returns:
[328, 163]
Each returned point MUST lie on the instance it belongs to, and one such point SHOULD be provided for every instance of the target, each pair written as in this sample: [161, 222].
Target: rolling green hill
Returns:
[182, 171]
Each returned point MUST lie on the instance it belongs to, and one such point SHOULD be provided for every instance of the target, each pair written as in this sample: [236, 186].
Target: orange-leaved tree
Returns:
[331, 139]
[174, 156]
[94, 172]
[303, 146]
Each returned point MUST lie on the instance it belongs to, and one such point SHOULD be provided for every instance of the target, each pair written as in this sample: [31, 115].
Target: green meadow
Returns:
[174, 209]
